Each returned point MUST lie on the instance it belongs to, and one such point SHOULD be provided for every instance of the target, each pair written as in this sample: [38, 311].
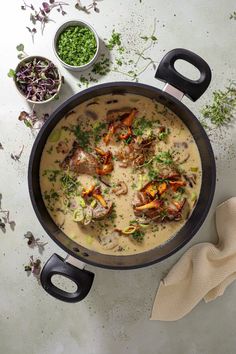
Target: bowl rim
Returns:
[28, 58]
[59, 30]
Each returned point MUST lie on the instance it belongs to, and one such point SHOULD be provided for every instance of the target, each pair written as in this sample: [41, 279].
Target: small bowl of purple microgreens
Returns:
[38, 79]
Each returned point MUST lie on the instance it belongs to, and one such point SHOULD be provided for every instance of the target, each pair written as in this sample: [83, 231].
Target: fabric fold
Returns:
[203, 272]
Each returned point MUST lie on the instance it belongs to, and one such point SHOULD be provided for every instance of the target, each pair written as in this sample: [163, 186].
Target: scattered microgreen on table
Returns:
[223, 106]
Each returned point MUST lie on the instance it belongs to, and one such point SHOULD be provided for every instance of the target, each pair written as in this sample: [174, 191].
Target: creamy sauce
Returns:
[61, 211]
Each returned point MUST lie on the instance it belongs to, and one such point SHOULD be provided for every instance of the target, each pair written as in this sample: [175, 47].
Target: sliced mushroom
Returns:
[182, 157]
[110, 241]
[80, 161]
[121, 188]
[91, 114]
[191, 179]
[180, 144]
[115, 114]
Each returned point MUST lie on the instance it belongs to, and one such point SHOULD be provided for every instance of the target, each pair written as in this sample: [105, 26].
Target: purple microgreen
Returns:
[38, 79]
[5, 218]
[86, 9]
[41, 15]
[33, 267]
[35, 242]
[16, 157]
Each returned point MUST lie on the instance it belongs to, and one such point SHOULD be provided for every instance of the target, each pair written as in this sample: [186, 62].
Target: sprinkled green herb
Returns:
[119, 62]
[102, 67]
[51, 174]
[164, 157]
[76, 45]
[233, 16]
[152, 174]
[223, 107]
[133, 185]
[69, 184]
[114, 40]
[138, 235]
[164, 135]
[140, 125]
[82, 136]
[97, 130]
[113, 215]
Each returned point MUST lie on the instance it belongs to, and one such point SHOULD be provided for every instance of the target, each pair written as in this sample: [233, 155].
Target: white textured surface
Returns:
[115, 316]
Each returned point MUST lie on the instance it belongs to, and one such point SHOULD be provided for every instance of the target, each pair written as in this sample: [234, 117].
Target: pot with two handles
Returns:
[176, 87]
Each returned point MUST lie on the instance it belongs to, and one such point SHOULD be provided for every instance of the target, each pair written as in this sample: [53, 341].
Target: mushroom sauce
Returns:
[120, 174]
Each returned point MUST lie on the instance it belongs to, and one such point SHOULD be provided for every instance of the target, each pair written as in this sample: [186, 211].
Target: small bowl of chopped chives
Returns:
[76, 45]
[37, 79]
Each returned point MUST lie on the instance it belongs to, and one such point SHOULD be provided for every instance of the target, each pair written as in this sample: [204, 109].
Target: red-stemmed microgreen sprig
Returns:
[41, 15]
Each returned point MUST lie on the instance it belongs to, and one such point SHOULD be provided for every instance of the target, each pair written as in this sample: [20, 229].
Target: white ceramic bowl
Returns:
[27, 59]
[61, 29]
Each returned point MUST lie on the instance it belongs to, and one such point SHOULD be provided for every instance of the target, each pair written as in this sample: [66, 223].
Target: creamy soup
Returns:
[120, 174]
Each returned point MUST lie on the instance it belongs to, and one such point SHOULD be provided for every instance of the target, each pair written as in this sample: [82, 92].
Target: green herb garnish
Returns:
[138, 235]
[51, 174]
[82, 136]
[164, 157]
[140, 125]
[163, 135]
[233, 16]
[223, 107]
[76, 45]
[69, 184]
[114, 40]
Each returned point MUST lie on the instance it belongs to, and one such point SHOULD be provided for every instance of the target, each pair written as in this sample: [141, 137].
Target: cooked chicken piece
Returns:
[115, 114]
[121, 188]
[174, 210]
[136, 153]
[99, 212]
[80, 161]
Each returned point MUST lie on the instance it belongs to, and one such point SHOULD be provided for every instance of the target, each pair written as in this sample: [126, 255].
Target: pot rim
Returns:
[82, 256]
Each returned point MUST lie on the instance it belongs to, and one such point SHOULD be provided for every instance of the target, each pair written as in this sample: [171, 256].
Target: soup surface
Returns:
[120, 174]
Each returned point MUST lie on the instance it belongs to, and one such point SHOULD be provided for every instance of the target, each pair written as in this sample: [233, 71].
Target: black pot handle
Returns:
[166, 71]
[57, 265]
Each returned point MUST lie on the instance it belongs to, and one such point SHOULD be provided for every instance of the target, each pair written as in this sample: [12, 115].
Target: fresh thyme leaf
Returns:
[223, 107]
[69, 184]
[140, 125]
[164, 157]
[163, 135]
[11, 73]
[115, 40]
[82, 136]
[20, 47]
[138, 235]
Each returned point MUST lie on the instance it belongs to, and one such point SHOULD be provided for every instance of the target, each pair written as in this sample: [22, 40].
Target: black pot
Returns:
[177, 86]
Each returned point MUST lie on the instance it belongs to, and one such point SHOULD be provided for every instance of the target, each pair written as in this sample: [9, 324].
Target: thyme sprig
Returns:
[223, 106]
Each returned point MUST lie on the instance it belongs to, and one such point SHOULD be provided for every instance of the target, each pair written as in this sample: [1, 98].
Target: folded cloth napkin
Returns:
[203, 272]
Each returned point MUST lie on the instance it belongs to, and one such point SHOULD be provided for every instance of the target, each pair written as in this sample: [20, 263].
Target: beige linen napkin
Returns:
[203, 272]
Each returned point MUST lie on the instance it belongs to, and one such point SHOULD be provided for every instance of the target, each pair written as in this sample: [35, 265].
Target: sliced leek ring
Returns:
[78, 215]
